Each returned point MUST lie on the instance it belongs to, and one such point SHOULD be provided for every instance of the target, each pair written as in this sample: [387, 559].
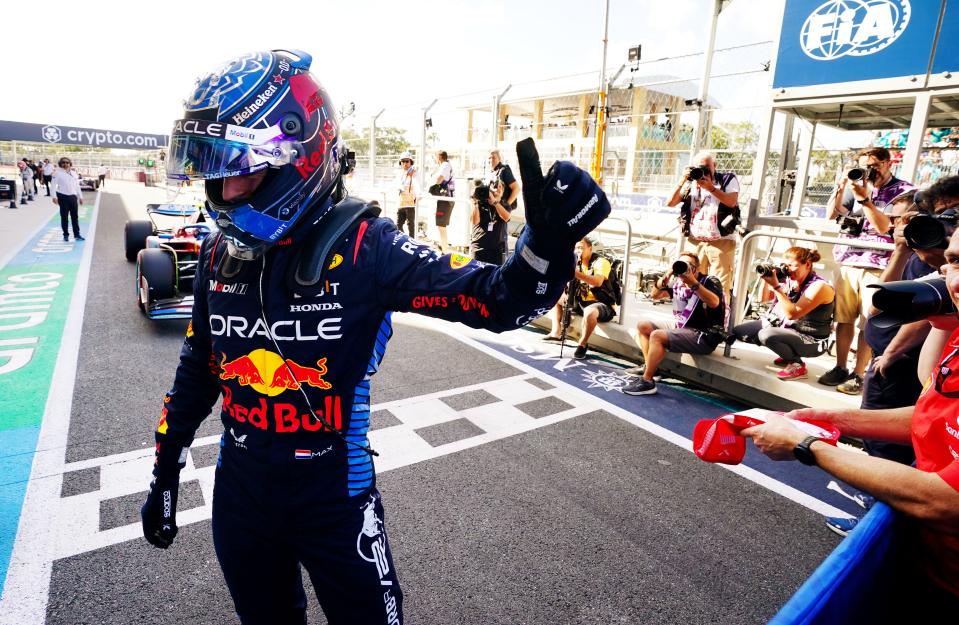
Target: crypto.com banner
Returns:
[71, 135]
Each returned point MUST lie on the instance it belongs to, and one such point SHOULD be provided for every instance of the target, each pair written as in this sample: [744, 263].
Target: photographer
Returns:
[928, 495]
[891, 380]
[408, 188]
[698, 311]
[709, 215]
[593, 299]
[489, 219]
[800, 323]
[858, 203]
[444, 186]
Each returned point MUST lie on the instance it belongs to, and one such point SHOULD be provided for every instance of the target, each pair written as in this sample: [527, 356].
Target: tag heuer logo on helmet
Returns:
[250, 109]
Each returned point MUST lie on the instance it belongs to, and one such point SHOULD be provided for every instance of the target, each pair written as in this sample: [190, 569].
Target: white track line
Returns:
[750, 474]
[27, 584]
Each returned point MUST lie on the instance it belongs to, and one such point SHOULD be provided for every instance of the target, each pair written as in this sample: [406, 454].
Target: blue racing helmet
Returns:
[260, 111]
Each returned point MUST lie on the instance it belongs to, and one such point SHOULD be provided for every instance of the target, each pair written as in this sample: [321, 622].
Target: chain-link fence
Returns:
[121, 164]
[652, 112]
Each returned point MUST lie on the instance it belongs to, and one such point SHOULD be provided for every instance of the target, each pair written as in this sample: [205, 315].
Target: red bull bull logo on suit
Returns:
[268, 373]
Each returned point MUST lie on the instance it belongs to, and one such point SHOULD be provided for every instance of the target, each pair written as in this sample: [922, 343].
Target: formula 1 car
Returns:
[89, 183]
[166, 259]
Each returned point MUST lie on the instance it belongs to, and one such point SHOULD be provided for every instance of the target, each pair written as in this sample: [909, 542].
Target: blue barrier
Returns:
[854, 584]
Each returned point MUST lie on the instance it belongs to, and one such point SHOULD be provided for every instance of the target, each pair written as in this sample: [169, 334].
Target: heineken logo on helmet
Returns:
[250, 109]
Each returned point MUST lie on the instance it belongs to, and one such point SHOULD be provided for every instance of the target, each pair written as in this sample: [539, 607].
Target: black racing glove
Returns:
[561, 208]
[158, 514]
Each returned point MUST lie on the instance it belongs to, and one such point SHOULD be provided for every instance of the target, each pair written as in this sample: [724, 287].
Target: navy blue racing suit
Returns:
[288, 490]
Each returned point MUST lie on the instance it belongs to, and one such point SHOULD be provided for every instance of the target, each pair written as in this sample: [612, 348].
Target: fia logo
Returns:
[841, 28]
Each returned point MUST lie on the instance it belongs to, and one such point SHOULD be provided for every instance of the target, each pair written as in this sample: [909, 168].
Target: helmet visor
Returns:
[209, 150]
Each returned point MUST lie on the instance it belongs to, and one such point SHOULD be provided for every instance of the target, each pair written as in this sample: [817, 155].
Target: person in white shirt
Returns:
[69, 197]
[47, 174]
[408, 188]
[443, 185]
[102, 174]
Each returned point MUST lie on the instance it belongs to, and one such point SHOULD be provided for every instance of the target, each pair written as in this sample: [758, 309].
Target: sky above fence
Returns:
[130, 65]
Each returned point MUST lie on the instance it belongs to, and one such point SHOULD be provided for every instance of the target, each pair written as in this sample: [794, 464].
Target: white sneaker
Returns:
[639, 370]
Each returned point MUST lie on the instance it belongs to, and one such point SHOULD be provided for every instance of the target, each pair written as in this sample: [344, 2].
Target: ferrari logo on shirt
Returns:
[458, 261]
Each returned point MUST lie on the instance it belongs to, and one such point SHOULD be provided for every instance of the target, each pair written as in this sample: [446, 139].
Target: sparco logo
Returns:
[250, 109]
[853, 27]
[315, 307]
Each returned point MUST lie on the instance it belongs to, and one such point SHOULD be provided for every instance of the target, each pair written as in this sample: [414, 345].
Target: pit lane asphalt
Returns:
[589, 520]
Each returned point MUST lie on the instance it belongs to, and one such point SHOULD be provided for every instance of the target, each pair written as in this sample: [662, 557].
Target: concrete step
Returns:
[746, 374]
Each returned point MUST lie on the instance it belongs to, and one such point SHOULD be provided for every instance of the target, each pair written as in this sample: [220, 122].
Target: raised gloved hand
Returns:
[561, 208]
[158, 513]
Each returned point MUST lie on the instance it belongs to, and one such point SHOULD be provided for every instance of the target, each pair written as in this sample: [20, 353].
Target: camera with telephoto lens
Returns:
[868, 174]
[481, 193]
[767, 270]
[927, 232]
[851, 223]
[680, 267]
[696, 173]
[906, 301]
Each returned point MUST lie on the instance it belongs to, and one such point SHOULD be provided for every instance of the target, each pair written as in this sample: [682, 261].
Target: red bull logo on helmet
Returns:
[268, 373]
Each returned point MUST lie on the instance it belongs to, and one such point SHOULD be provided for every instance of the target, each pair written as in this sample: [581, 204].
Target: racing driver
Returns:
[291, 316]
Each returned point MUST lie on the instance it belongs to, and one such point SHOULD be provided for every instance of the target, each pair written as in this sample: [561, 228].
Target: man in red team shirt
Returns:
[928, 493]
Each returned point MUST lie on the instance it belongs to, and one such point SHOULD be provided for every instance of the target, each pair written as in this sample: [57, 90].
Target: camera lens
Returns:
[906, 301]
[925, 232]
[857, 173]
[680, 267]
[696, 173]
[764, 269]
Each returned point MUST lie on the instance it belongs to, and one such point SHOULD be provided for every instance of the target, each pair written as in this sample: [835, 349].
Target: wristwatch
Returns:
[803, 452]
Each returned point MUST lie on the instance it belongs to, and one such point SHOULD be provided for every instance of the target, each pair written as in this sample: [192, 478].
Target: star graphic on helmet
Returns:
[278, 79]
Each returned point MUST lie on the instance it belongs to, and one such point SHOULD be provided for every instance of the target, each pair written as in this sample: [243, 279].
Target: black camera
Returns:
[851, 223]
[906, 301]
[722, 334]
[868, 174]
[481, 193]
[767, 270]
[680, 267]
[696, 173]
[927, 232]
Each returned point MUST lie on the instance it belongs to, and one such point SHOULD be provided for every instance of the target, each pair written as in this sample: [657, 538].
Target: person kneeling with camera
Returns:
[698, 309]
[592, 297]
[799, 324]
